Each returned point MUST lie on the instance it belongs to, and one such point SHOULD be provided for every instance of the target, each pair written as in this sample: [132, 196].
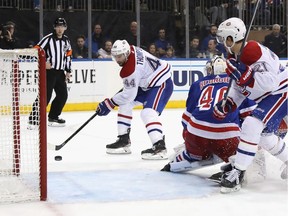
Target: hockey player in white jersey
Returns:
[259, 76]
[147, 81]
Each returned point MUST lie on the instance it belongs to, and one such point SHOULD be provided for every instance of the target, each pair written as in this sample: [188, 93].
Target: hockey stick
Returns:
[240, 52]
[58, 147]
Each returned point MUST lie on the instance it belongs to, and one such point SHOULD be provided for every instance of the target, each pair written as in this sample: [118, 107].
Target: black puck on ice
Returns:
[58, 158]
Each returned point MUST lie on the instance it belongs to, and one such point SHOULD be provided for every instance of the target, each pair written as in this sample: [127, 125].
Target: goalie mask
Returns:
[215, 66]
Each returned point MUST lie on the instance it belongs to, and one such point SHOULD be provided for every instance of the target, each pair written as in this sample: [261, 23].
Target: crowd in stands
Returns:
[161, 47]
[205, 17]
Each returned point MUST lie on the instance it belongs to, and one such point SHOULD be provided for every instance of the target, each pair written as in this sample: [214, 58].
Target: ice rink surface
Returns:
[90, 182]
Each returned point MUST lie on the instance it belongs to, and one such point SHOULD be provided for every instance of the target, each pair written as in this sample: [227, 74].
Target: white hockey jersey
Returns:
[270, 76]
[141, 70]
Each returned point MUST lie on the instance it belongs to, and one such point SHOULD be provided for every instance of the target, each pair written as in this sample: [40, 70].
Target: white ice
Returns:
[90, 182]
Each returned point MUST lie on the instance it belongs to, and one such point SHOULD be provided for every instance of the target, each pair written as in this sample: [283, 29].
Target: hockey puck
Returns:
[58, 158]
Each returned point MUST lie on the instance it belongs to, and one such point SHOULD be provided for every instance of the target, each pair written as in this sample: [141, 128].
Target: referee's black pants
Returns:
[56, 80]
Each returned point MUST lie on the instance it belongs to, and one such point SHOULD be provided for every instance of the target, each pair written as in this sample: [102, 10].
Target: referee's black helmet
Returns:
[60, 22]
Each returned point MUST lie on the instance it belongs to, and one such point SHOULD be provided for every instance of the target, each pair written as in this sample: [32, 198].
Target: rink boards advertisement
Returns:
[94, 80]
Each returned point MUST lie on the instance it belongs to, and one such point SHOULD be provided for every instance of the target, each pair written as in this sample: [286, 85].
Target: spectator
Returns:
[80, 51]
[131, 37]
[277, 9]
[152, 50]
[144, 5]
[194, 48]
[162, 43]
[8, 40]
[170, 53]
[212, 35]
[106, 51]
[212, 50]
[233, 9]
[36, 5]
[206, 12]
[66, 4]
[69, 5]
[97, 39]
[222, 10]
[263, 18]
[276, 41]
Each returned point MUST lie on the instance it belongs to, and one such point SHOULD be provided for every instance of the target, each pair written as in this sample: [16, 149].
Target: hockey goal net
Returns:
[23, 154]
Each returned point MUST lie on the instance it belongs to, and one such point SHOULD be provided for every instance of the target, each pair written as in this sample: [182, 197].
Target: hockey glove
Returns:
[105, 107]
[220, 112]
[241, 73]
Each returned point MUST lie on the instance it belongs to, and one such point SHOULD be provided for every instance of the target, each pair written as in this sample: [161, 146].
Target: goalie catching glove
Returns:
[241, 73]
[105, 107]
[220, 111]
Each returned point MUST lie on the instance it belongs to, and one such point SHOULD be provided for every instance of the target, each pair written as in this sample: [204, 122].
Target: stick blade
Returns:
[58, 147]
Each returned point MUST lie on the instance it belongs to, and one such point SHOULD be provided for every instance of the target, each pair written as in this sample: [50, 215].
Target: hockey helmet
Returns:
[233, 27]
[60, 22]
[215, 66]
[120, 47]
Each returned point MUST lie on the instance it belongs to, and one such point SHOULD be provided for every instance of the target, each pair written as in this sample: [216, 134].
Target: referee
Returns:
[58, 70]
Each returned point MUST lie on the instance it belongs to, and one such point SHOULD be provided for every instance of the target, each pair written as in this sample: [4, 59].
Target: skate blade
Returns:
[124, 150]
[216, 178]
[158, 156]
[55, 124]
[226, 190]
[217, 181]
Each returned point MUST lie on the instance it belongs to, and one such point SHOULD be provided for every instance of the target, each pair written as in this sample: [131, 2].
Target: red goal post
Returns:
[23, 152]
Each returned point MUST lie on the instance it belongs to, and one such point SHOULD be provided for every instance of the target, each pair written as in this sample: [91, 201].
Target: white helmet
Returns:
[120, 47]
[233, 27]
[215, 66]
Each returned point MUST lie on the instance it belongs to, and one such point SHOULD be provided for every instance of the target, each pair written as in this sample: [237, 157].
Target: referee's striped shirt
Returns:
[58, 51]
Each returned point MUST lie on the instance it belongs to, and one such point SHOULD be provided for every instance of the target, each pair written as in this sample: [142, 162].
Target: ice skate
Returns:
[121, 146]
[231, 181]
[157, 152]
[56, 122]
[218, 176]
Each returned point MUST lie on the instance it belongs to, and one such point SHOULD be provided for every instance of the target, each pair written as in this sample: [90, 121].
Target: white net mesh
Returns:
[19, 147]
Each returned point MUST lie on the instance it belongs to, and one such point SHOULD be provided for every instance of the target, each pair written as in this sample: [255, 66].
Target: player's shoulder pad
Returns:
[130, 65]
[251, 53]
